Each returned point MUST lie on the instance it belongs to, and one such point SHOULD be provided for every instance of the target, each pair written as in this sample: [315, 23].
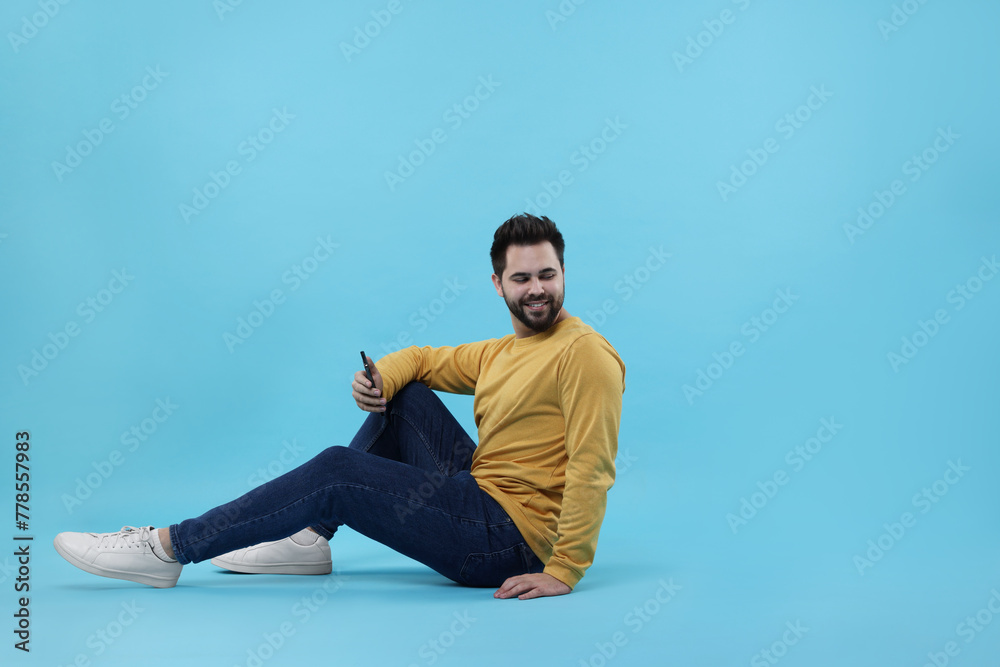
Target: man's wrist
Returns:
[563, 574]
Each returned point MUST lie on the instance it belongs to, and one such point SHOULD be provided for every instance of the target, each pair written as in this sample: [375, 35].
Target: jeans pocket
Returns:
[492, 569]
[496, 515]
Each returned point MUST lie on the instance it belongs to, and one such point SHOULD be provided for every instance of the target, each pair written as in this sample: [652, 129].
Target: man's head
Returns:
[528, 271]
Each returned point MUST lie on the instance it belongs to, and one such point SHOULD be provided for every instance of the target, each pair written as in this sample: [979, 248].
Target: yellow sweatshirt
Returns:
[547, 408]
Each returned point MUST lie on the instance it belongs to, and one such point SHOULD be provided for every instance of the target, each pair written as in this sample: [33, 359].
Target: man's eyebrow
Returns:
[528, 275]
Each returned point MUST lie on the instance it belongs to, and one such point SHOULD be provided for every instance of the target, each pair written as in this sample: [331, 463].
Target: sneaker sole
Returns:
[147, 579]
[274, 568]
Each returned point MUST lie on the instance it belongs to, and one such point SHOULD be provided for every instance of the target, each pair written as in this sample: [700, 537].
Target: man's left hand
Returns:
[527, 586]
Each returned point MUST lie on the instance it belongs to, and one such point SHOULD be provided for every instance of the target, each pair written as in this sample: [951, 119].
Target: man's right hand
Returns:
[367, 397]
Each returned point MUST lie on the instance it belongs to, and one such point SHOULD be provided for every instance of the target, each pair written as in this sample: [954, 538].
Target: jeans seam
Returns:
[177, 545]
[453, 516]
[489, 557]
[324, 489]
[423, 440]
[378, 434]
[274, 512]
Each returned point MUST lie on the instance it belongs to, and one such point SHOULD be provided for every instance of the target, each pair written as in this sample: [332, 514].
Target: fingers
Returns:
[529, 586]
[533, 593]
[367, 397]
[513, 586]
[375, 374]
[523, 592]
[501, 592]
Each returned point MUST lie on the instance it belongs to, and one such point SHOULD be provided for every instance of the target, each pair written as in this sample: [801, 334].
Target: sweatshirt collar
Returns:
[521, 343]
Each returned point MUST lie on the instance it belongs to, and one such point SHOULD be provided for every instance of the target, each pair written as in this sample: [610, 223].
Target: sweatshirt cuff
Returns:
[567, 575]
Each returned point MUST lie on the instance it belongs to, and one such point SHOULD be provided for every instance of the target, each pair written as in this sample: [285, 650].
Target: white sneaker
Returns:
[126, 554]
[287, 556]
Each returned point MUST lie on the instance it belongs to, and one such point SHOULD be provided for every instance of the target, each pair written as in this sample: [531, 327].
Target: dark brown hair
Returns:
[524, 229]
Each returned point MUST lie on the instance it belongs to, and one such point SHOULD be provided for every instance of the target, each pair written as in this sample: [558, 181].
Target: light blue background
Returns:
[685, 464]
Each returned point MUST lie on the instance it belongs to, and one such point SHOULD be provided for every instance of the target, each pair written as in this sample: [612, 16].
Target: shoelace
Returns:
[128, 537]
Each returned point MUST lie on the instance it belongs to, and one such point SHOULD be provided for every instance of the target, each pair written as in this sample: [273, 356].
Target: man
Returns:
[521, 511]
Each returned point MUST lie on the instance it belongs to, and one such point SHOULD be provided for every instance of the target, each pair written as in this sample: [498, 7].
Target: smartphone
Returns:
[368, 370]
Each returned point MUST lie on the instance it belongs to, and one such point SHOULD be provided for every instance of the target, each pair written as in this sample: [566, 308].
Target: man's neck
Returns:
[521, 331]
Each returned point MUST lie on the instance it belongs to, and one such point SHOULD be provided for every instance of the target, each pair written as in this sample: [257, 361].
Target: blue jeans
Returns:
[403, 481]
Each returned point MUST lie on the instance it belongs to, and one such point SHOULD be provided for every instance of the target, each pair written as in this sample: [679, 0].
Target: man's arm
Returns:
[591, 384]
[451, 369]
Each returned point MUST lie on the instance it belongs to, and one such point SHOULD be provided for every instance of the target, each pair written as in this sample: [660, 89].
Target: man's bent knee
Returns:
[332, 456]
[411, 389]
[412, 393]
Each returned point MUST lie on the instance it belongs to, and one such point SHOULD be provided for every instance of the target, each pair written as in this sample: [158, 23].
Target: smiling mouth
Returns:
[540, 305]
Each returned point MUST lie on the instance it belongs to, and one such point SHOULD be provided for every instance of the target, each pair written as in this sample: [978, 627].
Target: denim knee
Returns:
[411, 394]
[330, 458]
[411, 391]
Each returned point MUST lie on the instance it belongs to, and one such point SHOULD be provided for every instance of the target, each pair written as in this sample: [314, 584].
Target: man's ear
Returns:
[497, 285]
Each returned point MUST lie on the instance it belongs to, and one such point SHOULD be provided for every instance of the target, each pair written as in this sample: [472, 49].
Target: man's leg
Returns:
[444, 521]
[416, 429]
[457, 529]
[403, 481]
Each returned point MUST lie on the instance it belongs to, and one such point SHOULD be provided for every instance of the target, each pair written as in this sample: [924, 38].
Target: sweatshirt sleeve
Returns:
[451, 369]
[591, 384]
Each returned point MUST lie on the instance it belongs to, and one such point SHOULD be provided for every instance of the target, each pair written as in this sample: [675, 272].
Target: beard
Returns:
[537, 321]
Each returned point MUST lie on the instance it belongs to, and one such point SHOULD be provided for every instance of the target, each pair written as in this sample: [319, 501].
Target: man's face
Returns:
[533, 277]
